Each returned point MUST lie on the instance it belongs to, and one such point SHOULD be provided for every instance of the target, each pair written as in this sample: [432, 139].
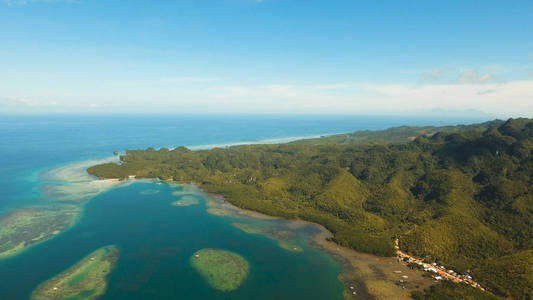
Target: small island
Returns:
[85, 280]
[222, 270]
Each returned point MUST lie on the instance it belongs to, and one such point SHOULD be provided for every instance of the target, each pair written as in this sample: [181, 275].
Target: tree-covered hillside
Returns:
[460, 196]
[395, 134]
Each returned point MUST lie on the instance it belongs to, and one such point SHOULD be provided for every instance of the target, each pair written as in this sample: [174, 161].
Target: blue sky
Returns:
[270, 56]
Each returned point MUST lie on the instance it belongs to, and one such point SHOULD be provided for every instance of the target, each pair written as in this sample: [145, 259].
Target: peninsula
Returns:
[458, 196]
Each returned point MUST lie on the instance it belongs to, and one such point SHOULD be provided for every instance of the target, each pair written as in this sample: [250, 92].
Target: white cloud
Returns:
[432, 76]
[26, 104]
[475, 77]
[510, 99]
[484, 92]
[504, 99]
[449, 75]
[17, 101]
[23, 101]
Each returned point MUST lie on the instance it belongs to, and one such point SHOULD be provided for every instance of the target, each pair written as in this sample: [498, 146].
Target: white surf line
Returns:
[264, 141]
[84, 164]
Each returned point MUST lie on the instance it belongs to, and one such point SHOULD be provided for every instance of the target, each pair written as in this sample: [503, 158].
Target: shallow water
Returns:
[156, 241]
[42, 162]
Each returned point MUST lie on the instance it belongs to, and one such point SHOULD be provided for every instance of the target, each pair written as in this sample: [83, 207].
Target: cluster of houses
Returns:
[438, 272]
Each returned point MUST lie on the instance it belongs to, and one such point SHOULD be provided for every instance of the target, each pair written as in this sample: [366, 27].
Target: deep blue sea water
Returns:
[155, 238]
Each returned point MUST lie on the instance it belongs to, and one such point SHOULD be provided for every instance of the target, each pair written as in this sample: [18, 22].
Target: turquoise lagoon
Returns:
[42, 163]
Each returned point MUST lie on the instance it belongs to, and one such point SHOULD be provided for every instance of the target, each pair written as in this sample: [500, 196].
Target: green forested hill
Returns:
[396, 134]
[458, 195]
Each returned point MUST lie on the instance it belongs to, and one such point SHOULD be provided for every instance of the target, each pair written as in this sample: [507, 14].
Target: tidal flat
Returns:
[223, 270]
[86, 280]
[364, 276]
[285, 238]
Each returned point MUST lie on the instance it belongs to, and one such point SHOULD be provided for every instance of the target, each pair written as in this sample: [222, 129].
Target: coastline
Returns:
[357, 267]
[217, 204]
[64, 191]
[72, 185]
[280, 176]
[363, 275]
[263, 141]
[359, 271]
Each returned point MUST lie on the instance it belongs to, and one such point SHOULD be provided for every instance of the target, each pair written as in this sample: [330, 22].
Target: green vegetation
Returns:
[222, 270]
[449, 290]
[509, 275]
[459, 195]
[85, 280]
[396, 134]
[26, 227]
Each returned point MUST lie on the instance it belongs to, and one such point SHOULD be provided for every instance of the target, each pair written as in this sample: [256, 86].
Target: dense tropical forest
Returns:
[461, 196]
